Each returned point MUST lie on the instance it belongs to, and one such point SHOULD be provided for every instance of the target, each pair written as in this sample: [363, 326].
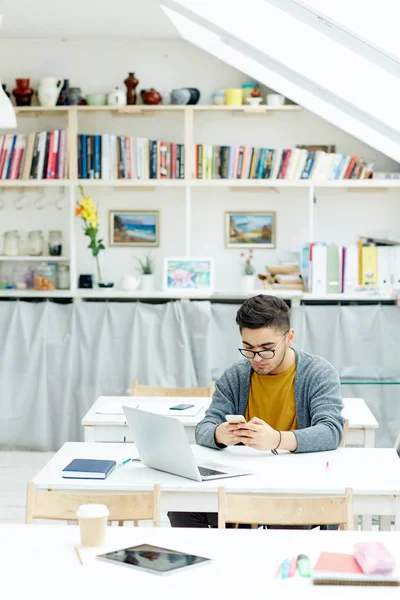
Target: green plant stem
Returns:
[98, 268]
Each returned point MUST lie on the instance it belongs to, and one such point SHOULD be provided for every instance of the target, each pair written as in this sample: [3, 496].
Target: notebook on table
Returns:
[89, 468]
[333, 568]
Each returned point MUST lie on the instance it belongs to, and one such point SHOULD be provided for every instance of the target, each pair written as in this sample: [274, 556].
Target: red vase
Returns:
[23, 93]
[131, 83]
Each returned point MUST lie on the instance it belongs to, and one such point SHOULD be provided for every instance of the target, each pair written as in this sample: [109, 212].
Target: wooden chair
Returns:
[149, 390]
[285, 510]
[344, 437]
[47, 504]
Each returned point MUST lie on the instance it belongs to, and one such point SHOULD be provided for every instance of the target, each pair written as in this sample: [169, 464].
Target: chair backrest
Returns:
[286, 510]
[149, 390]
[47, 504]
[344, 437]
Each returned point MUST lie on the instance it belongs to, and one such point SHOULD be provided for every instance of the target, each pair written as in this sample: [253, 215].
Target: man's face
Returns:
[266, 338]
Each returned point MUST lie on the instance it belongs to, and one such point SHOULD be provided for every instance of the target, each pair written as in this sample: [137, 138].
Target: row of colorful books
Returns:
[34, 156]
[246, 162]
[110, 156]
[331, 268]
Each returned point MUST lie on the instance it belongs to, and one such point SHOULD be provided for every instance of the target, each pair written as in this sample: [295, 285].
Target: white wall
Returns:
[99, 66]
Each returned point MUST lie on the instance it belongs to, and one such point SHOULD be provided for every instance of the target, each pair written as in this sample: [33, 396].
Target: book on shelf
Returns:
[302, 162]
[40, 155]
[386, 175]
[110, 156]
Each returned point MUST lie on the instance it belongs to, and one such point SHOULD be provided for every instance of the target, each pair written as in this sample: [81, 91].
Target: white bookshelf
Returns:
[71, 115]
[34, 258]
[294, 296]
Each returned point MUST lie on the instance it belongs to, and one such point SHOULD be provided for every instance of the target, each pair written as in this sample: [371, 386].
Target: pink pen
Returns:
[292, 567]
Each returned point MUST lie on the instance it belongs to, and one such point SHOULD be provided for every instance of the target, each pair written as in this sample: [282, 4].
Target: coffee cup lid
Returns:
[92, 511]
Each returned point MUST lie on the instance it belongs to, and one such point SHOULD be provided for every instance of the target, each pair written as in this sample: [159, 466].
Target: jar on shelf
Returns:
[44, 277]
[19, 277]
[35, 243]
[12, 243]
[55, 243]
[247, 90]
[63, 278]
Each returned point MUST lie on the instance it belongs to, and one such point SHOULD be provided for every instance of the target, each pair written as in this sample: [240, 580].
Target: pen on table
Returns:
[78, 555]
[137, 406]
[303, 565]
[124, 462]
[278, 571]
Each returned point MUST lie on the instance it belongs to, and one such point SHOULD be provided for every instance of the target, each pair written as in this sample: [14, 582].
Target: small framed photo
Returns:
[189, 275]
[134, 228]
[250, 228]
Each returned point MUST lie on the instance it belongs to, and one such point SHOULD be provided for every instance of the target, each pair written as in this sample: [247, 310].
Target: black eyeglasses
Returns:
[261, 353]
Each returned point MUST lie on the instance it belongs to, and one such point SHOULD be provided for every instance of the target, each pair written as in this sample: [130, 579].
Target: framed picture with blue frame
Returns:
[189, 275]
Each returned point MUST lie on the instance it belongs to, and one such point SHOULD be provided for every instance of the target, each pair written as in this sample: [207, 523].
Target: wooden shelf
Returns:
[33, 258]
[367, 184]
[140, 108]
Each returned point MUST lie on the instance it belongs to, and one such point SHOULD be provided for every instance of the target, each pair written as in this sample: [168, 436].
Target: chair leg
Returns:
[120, 523]
[136, 523]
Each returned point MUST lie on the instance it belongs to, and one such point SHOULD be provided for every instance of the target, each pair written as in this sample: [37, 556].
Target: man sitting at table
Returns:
[290, 399]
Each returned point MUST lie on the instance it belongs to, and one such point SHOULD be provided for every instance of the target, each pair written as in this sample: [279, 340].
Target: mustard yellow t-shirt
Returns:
[271, 398]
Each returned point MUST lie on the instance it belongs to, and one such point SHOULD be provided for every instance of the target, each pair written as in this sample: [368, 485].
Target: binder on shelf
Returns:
[385, 268]
[369, 266]
[319, 269]
[350, 269]
[333, 268]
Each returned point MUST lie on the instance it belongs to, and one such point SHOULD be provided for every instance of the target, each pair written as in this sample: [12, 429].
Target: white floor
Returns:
[16, 469]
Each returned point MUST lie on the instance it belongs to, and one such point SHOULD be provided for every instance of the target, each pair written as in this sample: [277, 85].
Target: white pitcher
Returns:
[49, 90]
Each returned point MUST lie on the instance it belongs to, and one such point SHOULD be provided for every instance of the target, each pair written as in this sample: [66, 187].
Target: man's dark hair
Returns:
[264, 311]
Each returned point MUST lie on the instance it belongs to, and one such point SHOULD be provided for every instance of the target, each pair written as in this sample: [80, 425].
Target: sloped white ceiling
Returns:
[298, 60]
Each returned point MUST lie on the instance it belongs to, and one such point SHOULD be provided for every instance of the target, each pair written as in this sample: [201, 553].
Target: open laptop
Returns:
[163, 444]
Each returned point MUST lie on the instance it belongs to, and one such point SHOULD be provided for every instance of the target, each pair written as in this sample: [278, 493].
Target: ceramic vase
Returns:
[131, 83]
[49, 90]
[23, 93]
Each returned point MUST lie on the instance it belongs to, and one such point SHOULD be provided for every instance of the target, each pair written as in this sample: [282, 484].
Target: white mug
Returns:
[275, 100]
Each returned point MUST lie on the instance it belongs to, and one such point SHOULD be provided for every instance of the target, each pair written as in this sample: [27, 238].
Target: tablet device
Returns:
[153, 559]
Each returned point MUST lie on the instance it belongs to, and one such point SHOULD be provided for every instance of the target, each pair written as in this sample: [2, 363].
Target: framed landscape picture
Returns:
[250, 228]
[188, 275]
[134, 228]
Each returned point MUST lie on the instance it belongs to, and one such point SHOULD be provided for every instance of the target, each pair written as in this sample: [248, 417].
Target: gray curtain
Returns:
[56, 359]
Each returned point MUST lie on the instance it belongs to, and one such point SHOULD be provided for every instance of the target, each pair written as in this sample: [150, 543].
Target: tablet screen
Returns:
[153, 558]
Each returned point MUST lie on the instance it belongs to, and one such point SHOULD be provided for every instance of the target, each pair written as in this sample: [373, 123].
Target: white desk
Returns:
[373, 473]
[40, 561]
[113, 428]
[243, 563]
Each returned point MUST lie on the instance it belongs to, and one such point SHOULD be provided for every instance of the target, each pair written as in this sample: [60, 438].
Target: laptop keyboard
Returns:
[204, 472]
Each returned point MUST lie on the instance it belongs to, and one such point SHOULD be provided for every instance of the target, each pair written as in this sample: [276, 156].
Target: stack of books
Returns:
[302, 162]
[110, 156]
[34, 156]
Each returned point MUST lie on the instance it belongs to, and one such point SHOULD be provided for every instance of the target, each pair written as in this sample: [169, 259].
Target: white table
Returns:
[40, 561]
[362, 423]
[113, 428]
[373, 473]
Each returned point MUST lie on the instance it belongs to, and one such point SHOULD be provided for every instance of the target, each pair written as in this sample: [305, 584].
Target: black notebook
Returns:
[89, 468]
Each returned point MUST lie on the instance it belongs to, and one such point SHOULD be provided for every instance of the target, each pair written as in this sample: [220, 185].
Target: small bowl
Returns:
[105, 284]
[96, 99]
[254, 101]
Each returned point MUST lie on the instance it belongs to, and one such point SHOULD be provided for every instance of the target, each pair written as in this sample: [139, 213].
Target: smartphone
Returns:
[181, 406]
[235, 419]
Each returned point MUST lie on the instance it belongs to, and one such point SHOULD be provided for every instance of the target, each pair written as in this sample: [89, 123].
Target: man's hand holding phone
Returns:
[226, 432]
